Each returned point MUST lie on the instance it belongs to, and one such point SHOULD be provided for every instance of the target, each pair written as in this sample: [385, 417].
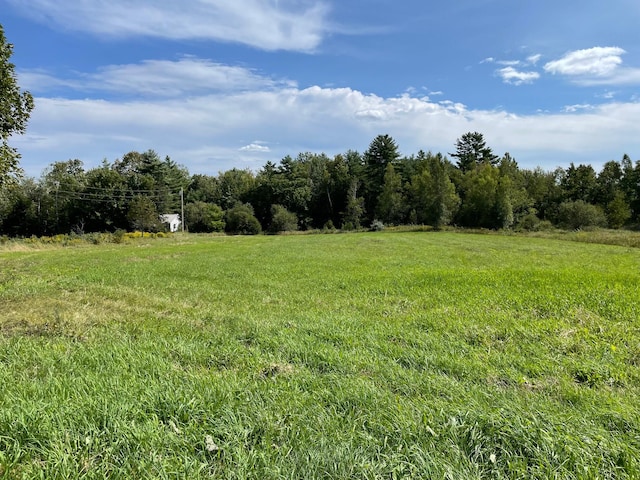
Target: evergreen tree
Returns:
[382, 151]
[472, 151]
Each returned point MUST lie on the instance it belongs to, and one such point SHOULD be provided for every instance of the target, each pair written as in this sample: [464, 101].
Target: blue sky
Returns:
[218, 84]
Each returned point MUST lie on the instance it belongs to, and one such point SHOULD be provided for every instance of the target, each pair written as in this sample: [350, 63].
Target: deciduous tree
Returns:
[15, 109]
[579, 183]
[434, 197]
[391, 203]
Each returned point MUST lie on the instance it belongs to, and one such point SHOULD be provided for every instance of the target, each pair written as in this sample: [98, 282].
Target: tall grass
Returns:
[375, 355]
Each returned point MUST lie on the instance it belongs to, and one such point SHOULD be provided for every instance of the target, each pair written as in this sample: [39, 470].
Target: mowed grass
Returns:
[372, 355]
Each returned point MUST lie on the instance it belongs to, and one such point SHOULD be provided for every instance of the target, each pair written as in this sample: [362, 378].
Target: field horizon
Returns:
[367, 355]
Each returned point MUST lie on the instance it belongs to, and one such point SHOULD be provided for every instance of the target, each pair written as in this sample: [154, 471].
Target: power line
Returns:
[125, 195]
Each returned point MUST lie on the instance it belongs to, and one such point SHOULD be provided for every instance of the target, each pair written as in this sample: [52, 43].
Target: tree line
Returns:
[470, 187]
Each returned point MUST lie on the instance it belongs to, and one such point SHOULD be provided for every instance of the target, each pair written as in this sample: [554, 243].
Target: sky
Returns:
[221, 84]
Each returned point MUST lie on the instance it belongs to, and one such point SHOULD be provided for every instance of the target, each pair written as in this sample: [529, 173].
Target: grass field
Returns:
[369, 355]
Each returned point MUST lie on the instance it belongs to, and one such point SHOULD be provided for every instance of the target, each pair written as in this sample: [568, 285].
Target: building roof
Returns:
[170, 217]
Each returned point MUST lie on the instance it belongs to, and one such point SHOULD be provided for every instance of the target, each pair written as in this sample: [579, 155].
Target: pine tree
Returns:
[472, 151]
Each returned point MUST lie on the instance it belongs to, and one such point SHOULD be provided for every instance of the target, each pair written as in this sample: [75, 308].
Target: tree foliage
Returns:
[579, 183]
[143, 215]
[434, 198]
[15, 109]
[617, 211]
[391, 204]
[315, 191]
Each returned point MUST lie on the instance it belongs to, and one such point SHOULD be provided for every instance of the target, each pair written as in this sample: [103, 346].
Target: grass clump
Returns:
[396, 355]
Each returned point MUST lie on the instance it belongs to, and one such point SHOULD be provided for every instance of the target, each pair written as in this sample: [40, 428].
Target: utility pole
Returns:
[182, 208]
[57, 184]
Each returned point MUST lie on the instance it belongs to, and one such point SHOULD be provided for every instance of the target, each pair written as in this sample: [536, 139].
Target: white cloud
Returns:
[40, 80]
[187, 76]
[578, 107]
[595, 66]
[204, 131]
[609, 95]
[270, 25]
[598, 61]
[255, 147]
[508, 63]
[534, 59]
[516, 77]
[622, 76]
[531, 60]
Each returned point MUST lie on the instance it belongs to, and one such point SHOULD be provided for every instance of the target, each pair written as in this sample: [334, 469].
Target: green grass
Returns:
[370, 355]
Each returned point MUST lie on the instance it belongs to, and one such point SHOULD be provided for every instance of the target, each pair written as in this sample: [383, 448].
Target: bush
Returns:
[329, 226]
[94, 238]
[529, 223]
[580, 214]
[240, 220]
[377, 226]
[118, 235]
[204, 217]
[282, 220]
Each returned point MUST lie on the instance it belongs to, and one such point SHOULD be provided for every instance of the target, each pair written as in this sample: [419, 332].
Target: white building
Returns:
[172, 220]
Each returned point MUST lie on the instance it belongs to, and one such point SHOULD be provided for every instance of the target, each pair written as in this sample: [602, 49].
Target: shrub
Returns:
[202, 217]
[348, 226]
[118, 235]
[94, 238]
[240, 220]
[529, 223]
[282, 220]
[580, 214]
[377, 226]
